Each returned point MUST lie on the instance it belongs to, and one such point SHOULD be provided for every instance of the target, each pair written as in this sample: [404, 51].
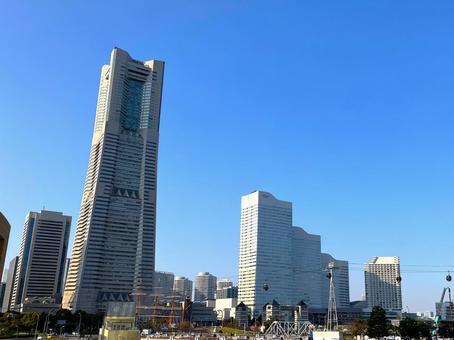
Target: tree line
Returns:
[59, 322]
[378, 326]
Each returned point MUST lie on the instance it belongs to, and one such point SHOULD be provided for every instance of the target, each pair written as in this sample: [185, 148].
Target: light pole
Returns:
[36, 327]
[46, 323]
[78, 326]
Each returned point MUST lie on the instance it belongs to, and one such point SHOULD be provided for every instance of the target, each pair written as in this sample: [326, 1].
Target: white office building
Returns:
[182, 286]
[223, 283]
[306, 266]
[383, 286]
[205, 287]
[277, 260]
[114, 247]
[265, 263]
[7, 298]
[41, 263]
[163, 283]
[340, 279]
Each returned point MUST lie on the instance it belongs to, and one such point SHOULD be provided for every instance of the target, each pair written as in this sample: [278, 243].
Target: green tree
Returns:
[446, 329]
[377, 325]
[359, 327]
[28, 322]
[408, 328]
[424, 329]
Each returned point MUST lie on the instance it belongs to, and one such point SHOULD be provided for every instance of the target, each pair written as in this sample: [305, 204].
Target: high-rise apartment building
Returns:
[163, 283]
[6, 306]
[41, 262]
[205, 287]
[182, 286]
[114, 248]
[306, 267]
[382, 278]
[265, 263]
[341, 282]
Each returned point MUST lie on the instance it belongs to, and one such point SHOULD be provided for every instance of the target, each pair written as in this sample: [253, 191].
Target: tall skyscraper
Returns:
[41, 262]
[163, 283]
[307, 268]
[382, 278]
[182, 286]
[265, 263]
[205, 286]
[114, 247]
[341, 282]
[6, 306]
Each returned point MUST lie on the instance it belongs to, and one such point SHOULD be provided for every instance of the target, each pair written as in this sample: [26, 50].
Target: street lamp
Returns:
[78, 326]
[46, 323]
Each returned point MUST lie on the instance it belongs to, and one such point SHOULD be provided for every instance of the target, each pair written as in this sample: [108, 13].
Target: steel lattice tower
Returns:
[331, 319]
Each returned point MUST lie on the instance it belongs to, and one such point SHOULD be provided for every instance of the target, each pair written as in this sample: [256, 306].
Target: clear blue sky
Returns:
[344, 108]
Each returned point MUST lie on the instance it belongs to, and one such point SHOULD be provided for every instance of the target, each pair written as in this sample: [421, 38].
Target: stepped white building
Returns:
[277, 261]
[307, 268]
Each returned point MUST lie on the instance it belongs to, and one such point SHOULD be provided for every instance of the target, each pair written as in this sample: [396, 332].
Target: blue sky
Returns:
[344, 108]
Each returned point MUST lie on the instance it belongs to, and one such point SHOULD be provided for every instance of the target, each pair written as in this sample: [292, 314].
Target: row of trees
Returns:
[58, 321]
[378, 326]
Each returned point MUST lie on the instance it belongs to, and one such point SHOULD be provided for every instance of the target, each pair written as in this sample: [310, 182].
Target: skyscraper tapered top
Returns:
[114, 248]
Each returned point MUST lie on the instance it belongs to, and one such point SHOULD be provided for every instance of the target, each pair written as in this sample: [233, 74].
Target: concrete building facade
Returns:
[163, 283]
[114, 248]
[4, 237]
[341, 282]
[227, 293]
[265, 263]
[65, 273]
[205, 287]
[223, 283]
[277, 260]
[382, 280]
[6, 305]
[41, 262]
[182, 286]
[306, 266]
